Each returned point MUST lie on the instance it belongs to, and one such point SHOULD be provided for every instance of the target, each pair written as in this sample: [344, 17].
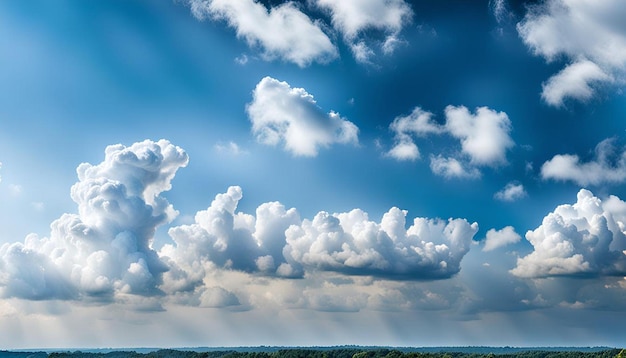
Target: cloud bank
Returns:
[103, 253]
[276, 242]
[571, 30]
[280, 113]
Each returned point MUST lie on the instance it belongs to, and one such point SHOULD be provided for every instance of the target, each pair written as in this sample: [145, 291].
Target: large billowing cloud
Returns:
[591, 35]
[105, 248]
[353, 18]
[276, 242]
[584, 239]
[280, 113]
[608, 166]
[283, 31]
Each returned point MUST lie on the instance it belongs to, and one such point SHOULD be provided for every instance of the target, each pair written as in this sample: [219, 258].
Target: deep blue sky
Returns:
[321, 106]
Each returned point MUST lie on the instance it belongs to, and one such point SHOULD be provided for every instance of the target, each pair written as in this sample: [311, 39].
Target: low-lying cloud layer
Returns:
[104, 252]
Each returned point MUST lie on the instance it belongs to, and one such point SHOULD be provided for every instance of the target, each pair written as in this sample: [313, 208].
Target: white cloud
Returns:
[484, 138]
[500, 10]
[230, 147]
[608, 166]
[280, 113]
[586, 238]
[449, 167]
[573, 81]
[104, 250]
[484, 135]
[418, 123]
[499, 238]
[590, 34]
[353, 18]
[283, 31]
[511, 192]
[278, 243]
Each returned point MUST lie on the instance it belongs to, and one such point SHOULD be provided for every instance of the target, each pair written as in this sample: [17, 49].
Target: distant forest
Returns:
[477, 352]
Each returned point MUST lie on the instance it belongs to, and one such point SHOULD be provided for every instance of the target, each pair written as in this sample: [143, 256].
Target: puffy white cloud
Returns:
[280, 113]
[449, 167]
[484, 135]
[283, 31]
[277, 243]
[591, 35]
[418, 123]
[573, 81]
[586, 238]
[103, 250]
[353, 18]
[484, 138]
[608, 166]
[352, 244]
[511, 192]
[499, 238]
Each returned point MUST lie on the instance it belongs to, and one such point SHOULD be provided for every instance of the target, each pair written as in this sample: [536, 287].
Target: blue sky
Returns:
[391, 172]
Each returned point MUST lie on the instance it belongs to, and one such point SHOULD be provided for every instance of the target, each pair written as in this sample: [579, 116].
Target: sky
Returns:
[179, 173]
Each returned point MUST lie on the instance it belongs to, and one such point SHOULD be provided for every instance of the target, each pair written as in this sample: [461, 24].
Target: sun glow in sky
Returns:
[321, 172]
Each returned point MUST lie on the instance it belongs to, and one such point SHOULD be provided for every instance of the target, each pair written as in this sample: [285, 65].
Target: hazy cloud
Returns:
[511, 192]
[280, 113]
[450, 167]
[353, 18]
[418, 123]
[607, 166]
[572, 29]
[283, 31]
[586, 238]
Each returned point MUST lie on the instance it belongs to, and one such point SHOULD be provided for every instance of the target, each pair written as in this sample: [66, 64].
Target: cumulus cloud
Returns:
[573, 81]
[283, 31]
[511, 192]
[353, 18]
[418, 123]
[584, 239]
[572, 30]
[449, 167]
[484, 135]
[103, 250]
[280, 113]
[276, 242]
[499, 238]
[608, 166]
